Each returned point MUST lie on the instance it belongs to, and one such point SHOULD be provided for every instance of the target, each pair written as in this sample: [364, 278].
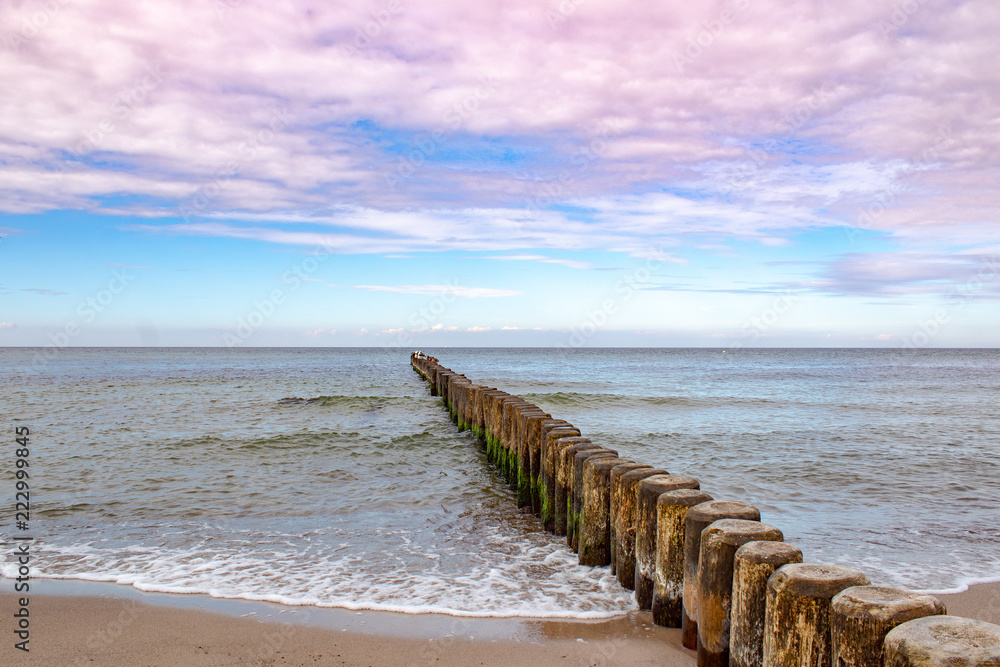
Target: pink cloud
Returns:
[794, 108]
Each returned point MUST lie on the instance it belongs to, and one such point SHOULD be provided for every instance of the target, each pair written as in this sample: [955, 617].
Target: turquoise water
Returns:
[331, 477]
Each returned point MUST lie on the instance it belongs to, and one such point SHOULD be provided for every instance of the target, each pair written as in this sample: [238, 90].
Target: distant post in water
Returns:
[864, 615]
[755, 562]
[797, 622]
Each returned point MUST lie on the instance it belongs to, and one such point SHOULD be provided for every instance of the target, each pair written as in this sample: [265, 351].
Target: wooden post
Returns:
[647, 494]
[698, 519]
[614, 505]
[577, 489]
[625, 499]
[551, 432]
[568, 464]
[595, 542]
[797, 621]
[668, 577]
[533, 448]
[500, 443]
[561, 445]
[528, 421]
[943, 641]
[755, 563]
[719, 543]
[864, 615]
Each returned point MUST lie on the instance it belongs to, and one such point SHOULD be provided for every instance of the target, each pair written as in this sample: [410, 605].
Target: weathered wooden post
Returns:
[755, 563]
[568, 464]
[614, 508]
[797, 621]
[561, 445]
[501, 413]
[625, 498]
[943, 641]
[528, 421]
[492, 400]
[595, 542]
[719, 543]
[533, 448]
[698, 519]
[668, 577]
[647, 494]
[551, 433]
[864, 615]
[577, 489]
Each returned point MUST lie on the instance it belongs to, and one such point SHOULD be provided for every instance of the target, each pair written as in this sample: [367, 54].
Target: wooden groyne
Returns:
[738, 592]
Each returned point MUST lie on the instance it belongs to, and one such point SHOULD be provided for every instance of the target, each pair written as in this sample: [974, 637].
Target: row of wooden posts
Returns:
[740, 594]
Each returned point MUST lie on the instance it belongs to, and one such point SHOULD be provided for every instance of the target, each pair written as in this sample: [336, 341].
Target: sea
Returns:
[332, 478]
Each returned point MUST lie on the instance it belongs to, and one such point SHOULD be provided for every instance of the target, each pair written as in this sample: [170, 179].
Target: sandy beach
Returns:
[133, 628]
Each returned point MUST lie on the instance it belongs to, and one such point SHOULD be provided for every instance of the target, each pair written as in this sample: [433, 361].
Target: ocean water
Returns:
[331, 477]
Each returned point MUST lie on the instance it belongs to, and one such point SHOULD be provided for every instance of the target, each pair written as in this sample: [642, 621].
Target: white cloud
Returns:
[571, 263]
[432, 290]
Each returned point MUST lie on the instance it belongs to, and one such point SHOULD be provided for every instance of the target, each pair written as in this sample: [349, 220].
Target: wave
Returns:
[595, 400]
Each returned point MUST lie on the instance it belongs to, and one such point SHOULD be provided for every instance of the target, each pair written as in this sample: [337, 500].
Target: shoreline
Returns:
[80, 622]
[74, 622]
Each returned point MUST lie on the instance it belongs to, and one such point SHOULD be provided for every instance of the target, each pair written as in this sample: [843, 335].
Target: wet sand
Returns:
[81, 623]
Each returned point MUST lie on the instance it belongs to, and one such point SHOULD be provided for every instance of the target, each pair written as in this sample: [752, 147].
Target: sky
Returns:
[738, 173]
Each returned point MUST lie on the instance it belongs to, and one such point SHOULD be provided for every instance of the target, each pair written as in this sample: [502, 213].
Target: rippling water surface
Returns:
[331, 477]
